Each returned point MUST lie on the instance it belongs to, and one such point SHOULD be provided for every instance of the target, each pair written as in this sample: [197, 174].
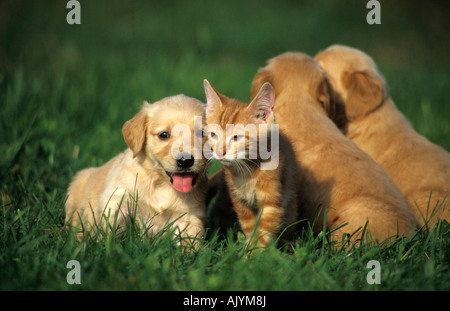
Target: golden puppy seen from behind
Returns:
[334, 173]
[159, 179]
[420, 168]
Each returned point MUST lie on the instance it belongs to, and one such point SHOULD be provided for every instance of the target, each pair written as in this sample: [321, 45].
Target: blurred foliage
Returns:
[33, 31]
[67, 89]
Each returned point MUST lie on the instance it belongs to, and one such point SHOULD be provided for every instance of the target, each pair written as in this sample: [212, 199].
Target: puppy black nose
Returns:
[185, 161]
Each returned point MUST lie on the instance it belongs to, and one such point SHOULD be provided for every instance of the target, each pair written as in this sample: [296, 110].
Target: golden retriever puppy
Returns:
[334, 174]
[420, 168]
[159, 179]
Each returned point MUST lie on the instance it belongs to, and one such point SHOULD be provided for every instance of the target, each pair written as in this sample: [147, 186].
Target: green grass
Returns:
[65, 92]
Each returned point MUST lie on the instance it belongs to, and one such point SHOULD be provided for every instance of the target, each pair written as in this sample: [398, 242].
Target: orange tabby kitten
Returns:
[262, 187]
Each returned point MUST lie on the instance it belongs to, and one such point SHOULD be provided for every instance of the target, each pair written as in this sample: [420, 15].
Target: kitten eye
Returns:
[237, 137]
[164, 135]
[213, 135]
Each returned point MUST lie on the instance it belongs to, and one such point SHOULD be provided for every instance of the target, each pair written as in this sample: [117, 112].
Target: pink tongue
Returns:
[183, 182]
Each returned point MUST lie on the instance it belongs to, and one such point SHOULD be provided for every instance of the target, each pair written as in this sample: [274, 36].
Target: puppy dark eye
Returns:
[213, 135]
[164, 135]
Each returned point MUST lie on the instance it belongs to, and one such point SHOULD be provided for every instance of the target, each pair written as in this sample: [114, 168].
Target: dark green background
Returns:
[66, 90]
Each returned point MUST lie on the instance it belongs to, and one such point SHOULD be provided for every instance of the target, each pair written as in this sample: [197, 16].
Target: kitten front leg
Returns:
[246, 216]
[269, 223]
[259, 228]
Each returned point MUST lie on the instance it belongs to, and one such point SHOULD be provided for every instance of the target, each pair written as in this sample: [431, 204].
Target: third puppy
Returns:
[334, 173]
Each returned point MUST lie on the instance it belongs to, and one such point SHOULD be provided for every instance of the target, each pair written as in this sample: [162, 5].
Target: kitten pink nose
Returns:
[220, 155]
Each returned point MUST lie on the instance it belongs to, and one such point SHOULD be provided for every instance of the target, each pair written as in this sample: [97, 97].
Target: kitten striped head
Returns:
[234, 128]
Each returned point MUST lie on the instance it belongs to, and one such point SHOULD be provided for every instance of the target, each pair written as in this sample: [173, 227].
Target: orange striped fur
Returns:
[264, 200]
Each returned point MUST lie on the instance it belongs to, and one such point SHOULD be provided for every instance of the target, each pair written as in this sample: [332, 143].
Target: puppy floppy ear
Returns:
[366, 91]
[134, 132]
[262, 76]
[213, 101]
[261, 107]
[327, 97]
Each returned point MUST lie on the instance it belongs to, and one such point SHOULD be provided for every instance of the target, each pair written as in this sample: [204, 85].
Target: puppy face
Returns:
[355, 76]
[169, 136]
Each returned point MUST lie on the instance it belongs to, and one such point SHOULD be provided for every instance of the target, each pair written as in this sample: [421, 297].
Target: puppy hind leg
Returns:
[369, 219]
[114, 210]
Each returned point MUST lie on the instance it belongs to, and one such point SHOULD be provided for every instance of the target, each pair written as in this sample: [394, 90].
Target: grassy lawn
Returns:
[66, 90]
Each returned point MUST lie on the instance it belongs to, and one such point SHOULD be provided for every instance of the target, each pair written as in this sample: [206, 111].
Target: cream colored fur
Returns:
[135, 181]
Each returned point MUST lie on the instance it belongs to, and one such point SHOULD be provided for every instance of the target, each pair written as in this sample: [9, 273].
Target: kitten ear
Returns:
[261, 107]
[212, 99]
